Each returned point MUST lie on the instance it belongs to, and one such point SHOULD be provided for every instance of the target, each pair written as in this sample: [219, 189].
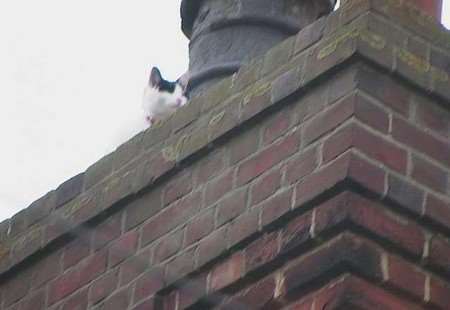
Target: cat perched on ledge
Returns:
[162, 97]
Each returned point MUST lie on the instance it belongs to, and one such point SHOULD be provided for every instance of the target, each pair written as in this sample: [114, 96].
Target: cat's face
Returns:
[162, 97]
[171, 93]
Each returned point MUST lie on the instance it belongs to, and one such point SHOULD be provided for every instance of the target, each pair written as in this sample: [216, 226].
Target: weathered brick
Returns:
[433, 116]
[243, 227]
[69, 189]
[128, 151]
[99, 171]
[15, 289]
[123, 248]
[168, 246]
[438, 210]
[134, 266]
[439, 293]
[171, 217]
[92, 267]
[36, 301]
[191, 291]
[328, 120]
[372, 145]
[148, 284]
[118, 301]
[295, 233]
[440, 253]
[180, 266]
[78, 301]
[211, 166]
[276, 126]
[394, 95]
[406, 277]
[103, 286]
[267, 158]
[218, 187]
[265, 186]
[226, 272]
[429, 174]
[261, 251]
[244, 145]
[288, 82]
[405, 194]
[342, 84]
[47, 269]
[41, 208]
[212, 246]
[143, 208]
[302, 165]
[63, 286]
[309, 35]
[107, 231]
[199, 227]
[423, 142]
[275, 207]
[76, 250]
[177, 188]
[231, 206]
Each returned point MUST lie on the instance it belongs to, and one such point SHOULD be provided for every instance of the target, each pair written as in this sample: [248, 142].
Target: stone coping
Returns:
[359, 29]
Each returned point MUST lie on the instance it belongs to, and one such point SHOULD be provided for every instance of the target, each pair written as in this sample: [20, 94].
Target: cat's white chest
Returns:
[156, 104]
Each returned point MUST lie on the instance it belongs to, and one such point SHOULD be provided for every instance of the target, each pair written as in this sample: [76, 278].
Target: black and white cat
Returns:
[162, 97]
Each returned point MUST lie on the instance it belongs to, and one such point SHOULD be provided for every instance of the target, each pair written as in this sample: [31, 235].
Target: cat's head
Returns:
[174, 93]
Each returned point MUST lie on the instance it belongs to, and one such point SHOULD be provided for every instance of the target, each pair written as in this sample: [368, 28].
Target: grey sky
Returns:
[72, 75]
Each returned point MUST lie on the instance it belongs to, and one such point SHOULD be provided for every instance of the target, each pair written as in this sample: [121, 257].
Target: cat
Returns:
[162, 97]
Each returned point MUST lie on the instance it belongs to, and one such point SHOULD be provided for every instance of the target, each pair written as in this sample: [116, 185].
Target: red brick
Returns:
[169, 302]
[63, 286]
[405, 194]
[150, 304]
[76, 250]
[243, 227]
[168, 246]
[302, 165]
[439, 293]
[328, 120]
[171, 217]
[438, 210]
[192, 290]
[265, 186]
[213, 165]
[276, 126]
[258, 296]
[440, 253]
[231, 206]
[372, 145]
[148, 284]
[107, 231]
[295, 233]
[423, 142]
[123, 247]
[35, 302]
[226, 272]
[433, 117]
[180, 186]
[142, 208]
[370, 114]
[47, 269]
[119, 300]
[79, 301]
[275, 207]
[244, 145]
[212, 246]
[199, 227]
[386, 89]
[267, 158]
[92, 267]
[134, 266]
[180, 266]
[218, 187]
[104, 286]
[429, 174]
[261, 251]
[404, 276]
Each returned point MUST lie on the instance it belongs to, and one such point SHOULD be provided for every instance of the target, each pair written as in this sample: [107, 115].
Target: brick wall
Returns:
[315, 178]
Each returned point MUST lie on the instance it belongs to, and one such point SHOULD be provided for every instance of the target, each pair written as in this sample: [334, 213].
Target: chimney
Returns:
[430, 7]
[226, 33]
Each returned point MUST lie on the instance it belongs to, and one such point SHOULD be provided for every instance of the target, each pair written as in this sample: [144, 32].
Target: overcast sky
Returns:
[72, 75]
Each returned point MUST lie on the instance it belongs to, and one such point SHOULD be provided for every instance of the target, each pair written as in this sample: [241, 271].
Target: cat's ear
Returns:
[155, 78]
[184, 80]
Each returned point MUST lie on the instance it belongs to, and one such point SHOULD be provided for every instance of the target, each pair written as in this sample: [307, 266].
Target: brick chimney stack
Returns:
[224, 34]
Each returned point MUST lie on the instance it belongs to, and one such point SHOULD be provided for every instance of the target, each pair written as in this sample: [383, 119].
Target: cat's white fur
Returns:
[158, 105]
